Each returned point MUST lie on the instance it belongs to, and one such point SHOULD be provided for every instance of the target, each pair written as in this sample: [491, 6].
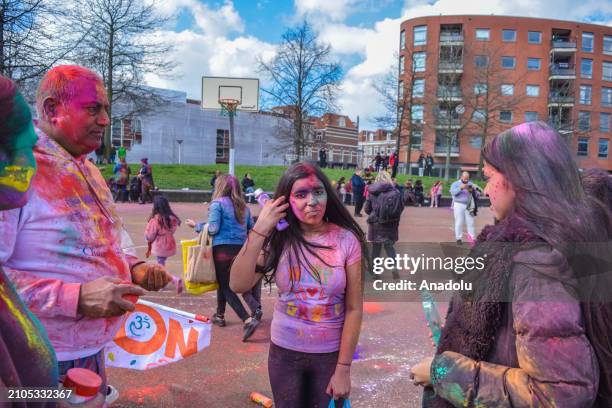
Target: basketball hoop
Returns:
[228, 106]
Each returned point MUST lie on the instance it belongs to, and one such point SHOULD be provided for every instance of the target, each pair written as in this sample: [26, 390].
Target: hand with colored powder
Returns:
[271, 213]
[150, 276]
[420, 374]
[104, 297]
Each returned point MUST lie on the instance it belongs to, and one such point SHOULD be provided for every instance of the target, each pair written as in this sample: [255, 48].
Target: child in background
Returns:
[160, 234]
[434, 194]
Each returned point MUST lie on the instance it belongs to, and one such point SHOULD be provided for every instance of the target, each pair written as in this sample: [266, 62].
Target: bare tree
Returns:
[303, 78]
[34, 35]
[489, 94]
[122, 47]
[398, 95]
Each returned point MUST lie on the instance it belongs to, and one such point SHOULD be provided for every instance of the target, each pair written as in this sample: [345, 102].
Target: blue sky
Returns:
[225, 37]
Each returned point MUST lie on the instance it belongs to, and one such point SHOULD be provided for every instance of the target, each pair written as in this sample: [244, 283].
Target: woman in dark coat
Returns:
[528, 334]
[382, 233]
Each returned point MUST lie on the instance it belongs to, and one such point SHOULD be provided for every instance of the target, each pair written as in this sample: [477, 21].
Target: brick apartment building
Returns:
[373, 142]
[338, 134]
[555, 71]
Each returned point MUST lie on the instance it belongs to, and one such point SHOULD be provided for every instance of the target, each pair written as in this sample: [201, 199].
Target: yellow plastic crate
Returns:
[191, 287]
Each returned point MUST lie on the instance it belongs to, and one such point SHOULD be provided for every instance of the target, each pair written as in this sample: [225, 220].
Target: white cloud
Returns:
[334, 10]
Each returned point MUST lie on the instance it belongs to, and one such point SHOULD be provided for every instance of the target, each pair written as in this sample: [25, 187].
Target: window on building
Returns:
[417, 113]
[584, 121]
[505, 116]
[476, 141]
[420, 35]
[482, 34]
[607, 44]
[402, 40]
[222, 146]
[532, 90]
[400, 91]
[508, 62]
[418, 88]
[479, 115]
[509, 35]
[606, 97]
[531, 116]
[507, 89]
[402, 64]
[534, 37]
[587, 42]
[602, 152]
[416, 139]
[586, 94]
[583, 146]
[480, 89]
[586, 68]
[418, 61]
[604, 122]
[342, 121]
[126, 132]
[481, 61]
[533, 64]
[606, 73]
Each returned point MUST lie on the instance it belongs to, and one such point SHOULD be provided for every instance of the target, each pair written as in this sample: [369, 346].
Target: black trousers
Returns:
[359, 201]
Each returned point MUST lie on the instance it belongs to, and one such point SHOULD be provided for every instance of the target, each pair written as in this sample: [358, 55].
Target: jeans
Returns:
[249, 190]
[359, 201]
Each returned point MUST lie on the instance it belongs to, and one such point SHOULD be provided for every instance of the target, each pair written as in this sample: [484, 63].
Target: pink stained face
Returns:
[82, 119]
[308, 200]
[499, 191]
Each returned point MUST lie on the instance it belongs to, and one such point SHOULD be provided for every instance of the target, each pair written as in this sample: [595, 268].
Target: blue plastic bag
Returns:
[332, 404]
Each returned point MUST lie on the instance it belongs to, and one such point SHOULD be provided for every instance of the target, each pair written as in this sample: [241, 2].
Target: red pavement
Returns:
[393, 338]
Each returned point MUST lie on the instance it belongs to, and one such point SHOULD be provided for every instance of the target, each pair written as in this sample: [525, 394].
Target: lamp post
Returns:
[180, 143]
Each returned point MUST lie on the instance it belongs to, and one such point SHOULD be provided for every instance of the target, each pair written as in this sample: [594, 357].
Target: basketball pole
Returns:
[232, 156]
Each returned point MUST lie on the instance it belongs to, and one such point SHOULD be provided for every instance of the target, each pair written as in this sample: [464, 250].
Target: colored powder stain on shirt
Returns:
[17, 177]
[34, 342]
[439, 373]
[455, 393]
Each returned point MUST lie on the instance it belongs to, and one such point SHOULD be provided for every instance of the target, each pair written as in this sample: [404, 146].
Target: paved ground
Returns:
[393, 336]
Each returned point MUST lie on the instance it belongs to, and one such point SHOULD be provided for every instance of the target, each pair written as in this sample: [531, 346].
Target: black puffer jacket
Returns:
[378, 232]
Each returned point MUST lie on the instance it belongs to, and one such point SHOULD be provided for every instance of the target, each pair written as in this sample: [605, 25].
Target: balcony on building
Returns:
[450, 66]
[562, 70]
[560, 98]
[451, 34]
[447, 122]
[441, 145]
[560, 118]
[449, 93]
[562, 42]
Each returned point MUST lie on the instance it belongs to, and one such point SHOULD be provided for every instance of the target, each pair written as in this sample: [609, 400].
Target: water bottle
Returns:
[261, 198]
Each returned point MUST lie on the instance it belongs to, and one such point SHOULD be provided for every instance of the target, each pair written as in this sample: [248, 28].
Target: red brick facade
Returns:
[514, 45]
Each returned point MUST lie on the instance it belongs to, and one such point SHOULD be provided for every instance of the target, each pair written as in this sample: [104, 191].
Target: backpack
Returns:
[391, 206]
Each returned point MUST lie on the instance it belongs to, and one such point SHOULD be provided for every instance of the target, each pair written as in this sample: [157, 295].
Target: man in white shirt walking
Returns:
[461, 190]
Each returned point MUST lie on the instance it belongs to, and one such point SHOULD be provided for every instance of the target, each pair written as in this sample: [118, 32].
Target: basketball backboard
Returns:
[244, 90]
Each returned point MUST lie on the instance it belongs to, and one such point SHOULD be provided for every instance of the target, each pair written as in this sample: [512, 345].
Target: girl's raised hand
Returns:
[270, 215]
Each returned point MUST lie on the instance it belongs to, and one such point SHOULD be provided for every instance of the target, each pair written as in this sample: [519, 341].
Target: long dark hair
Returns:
[292, 238]
[161, 207]
[552, 202]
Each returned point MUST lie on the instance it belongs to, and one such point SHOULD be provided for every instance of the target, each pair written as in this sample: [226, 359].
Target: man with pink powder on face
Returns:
[63, 249]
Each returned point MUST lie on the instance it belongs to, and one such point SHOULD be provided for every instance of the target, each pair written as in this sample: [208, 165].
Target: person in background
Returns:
[316, 264]
[394, 163]
[461, 192]
[248, 185]
[434, 193]
[429, 163]
[385, 162]
[358, 188]
[100, 154]
[121, 153]
[378, 162]
[122, 177]
[409, 196]
[384, 207]
[112, 155]
[528, 334]
[421, 163]
[229, 222]
[159, 234]
[27, 358]
[145, 175]
[341, 188]
[419, 193]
